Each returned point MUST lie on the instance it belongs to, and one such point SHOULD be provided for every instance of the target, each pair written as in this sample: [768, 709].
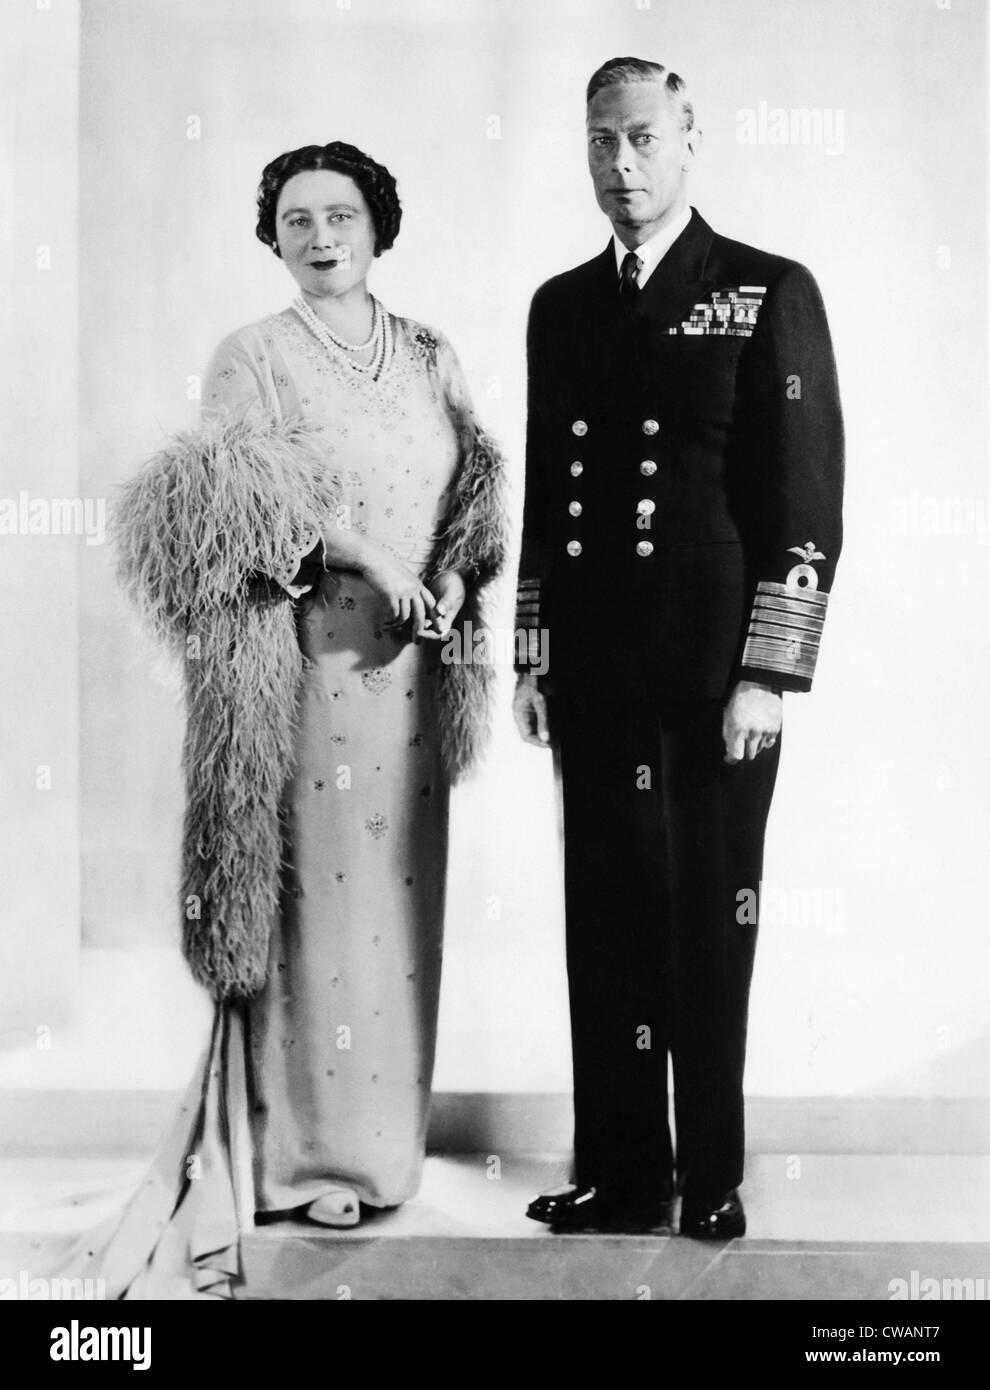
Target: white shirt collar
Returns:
[652, 252]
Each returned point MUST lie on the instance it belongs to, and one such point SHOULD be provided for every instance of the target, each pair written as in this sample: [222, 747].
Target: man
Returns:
[682, 525]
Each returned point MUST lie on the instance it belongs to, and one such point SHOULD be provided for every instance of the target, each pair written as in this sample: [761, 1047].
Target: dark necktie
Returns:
[628, 280]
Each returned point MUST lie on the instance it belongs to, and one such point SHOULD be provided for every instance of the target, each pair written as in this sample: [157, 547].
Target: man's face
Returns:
[636, 154]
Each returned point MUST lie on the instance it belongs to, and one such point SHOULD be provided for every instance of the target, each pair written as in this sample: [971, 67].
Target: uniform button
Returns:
[646, 507]
[579, 428]
[574, 547]
[577, 468]
[644, 548]
[647, 468]
[575, 508]
[649, 427]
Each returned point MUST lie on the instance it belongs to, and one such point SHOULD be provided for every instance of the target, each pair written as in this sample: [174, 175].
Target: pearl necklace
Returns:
[381, 337]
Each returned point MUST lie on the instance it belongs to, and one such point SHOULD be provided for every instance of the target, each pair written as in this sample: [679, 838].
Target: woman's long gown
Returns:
[324, 1078]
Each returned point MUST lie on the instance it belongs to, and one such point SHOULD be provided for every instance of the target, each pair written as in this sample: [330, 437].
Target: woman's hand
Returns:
[406, 597]
[450, 591]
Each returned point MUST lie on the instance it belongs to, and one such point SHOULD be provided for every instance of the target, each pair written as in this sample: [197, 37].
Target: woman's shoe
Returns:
[339, 1207]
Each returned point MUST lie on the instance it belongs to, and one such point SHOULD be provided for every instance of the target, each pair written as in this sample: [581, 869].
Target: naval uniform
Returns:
[682, 524]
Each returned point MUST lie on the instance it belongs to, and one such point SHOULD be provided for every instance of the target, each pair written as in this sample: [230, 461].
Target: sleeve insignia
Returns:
[806, 551]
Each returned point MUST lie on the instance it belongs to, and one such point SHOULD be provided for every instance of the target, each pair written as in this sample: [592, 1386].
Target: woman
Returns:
[306, 551]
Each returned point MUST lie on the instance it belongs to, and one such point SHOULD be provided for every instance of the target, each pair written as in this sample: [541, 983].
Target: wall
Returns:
[872, 970]
[39, 552]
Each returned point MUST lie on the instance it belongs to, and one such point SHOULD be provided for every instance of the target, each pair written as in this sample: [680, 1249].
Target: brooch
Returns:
[425, 345]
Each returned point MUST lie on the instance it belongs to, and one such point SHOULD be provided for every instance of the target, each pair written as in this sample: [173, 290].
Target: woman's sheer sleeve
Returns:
[239, 384]
[236, 383]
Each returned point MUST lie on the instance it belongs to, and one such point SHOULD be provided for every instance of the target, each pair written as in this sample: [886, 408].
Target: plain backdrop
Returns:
[872, 969]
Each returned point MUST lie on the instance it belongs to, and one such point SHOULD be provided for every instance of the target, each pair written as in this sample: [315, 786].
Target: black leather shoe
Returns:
[575, 1208]
[713, 1218]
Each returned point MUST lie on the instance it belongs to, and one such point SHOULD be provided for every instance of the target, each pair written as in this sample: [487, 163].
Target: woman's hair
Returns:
[374, 180]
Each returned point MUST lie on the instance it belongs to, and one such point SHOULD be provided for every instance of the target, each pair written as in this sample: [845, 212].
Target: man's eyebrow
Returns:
[610, 130]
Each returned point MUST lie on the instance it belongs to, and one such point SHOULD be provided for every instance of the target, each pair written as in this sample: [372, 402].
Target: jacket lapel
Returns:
[680, 279]
[602, 304]
[603, 333]
[597, 328]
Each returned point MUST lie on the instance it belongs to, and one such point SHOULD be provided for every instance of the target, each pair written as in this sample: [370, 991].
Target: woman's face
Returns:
[325, 232]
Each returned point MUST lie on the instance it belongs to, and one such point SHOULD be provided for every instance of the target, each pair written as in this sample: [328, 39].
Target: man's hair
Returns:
[620, 70]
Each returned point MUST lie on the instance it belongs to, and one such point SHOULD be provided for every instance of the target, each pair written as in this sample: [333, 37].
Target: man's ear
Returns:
[692, 144]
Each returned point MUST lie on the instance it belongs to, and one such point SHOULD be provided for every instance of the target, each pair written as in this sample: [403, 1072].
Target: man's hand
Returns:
[529, 708]
[751, 721]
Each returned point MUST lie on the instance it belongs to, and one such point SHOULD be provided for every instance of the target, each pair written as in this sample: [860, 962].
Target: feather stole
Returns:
[239, 497]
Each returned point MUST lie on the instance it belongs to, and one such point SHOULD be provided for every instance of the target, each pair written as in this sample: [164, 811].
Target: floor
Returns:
[830, 1227]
